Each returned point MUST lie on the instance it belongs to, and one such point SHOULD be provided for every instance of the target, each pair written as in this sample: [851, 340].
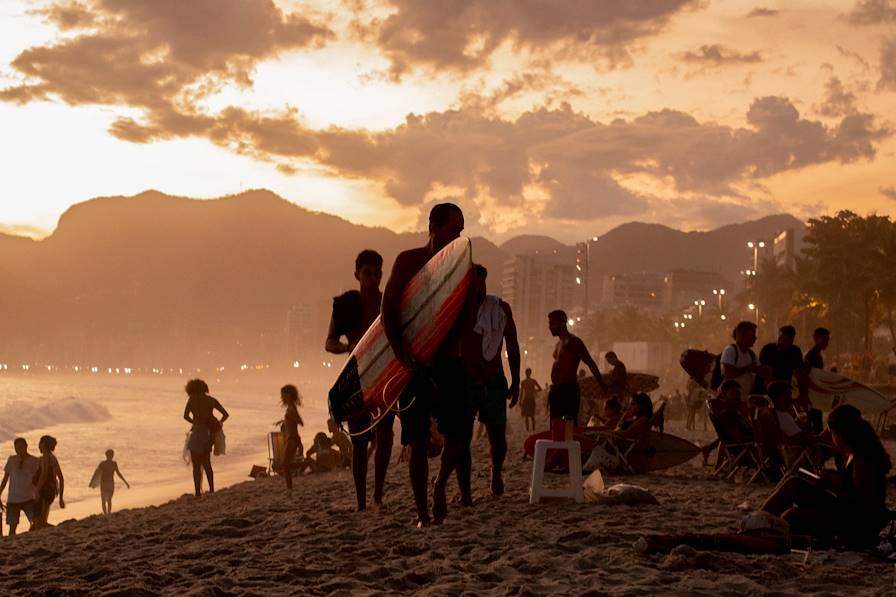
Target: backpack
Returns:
[716, 378]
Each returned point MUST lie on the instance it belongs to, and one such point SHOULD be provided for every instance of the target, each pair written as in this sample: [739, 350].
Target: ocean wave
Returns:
[18, 417]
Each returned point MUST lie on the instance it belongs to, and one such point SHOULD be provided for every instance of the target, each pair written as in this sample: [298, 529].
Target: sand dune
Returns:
[253, 539]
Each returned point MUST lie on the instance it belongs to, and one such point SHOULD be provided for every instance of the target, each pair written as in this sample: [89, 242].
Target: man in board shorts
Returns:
[564, 395]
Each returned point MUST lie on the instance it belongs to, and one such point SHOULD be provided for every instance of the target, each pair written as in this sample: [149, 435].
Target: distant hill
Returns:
[155, 278]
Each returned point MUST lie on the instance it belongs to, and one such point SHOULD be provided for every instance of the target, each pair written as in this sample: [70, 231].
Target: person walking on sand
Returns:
[353, 313]
[528, 389]
[289, 397]
[564, 395]
[106, 471]
[48, 483]
[199, 412]
[19, 473]
[443, 394]
[487, 327]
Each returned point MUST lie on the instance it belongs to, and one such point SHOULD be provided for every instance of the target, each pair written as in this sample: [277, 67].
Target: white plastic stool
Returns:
[538, 491]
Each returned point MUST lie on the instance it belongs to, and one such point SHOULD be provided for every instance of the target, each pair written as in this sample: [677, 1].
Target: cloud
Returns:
[718, 55]
[761, 11]
[152, 53]
[873, 12]
[888, 192]
[838, 101]
[887, 81]
[462, 36]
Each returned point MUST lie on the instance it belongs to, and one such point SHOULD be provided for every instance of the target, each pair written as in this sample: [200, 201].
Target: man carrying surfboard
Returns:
[564, 395]
[354, 312]
[487, 326]
[440, 392]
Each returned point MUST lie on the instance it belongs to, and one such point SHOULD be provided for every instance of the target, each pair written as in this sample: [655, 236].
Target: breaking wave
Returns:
[19, 417]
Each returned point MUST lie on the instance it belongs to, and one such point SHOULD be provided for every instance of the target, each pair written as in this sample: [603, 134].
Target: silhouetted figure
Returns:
[289, 397]
[444, 378]
[488, 324]
[48, 483]
[529, 387]
[565, 395]
[19, 472]
[617, 384]
[199, 413]
[107, 469]
[814, 358]
[739, 361]
[353, 313]
[783, 360]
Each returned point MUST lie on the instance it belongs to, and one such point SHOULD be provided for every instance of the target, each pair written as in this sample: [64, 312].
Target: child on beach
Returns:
[105, 477]
[289, 397]
[341, 441]
[528, 389]
[326, 456]
[48, 483]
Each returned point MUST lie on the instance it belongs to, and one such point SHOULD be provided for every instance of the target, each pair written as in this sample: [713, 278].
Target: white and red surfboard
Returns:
[372, 378]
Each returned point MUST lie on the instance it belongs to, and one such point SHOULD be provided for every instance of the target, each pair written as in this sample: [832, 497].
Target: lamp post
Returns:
[583, 276]
[700, 304]
[719, 292]
[755, 309]
[756, 245]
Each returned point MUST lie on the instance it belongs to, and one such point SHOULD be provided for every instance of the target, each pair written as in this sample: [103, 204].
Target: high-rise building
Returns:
[683, 287]
[784, 249]
[643, 290]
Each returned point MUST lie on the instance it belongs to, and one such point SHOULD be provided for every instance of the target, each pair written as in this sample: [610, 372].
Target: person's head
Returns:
[822, 337]
[745, 334]
[612, 358]
[369, 269]
[612, 408]
[786, 335]
[446, 222]
[852, 433]
[110, 454]
[289, 394]
[320, 438]
[729, 391]
[196, 387]
[781, 394]
[528, 372]
[331, 425]
[46, 444]
[479, 286]
[557, 322]
[21, 446]
[642, 404]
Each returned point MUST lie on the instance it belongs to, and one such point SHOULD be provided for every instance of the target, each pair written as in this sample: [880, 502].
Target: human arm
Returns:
[585, 357]
[188, 413]
[120, 476]
[224, 414]
[638, 427]
[537, 385]
[730, 370]
[391, 309]
[60, 480]
[513, 354]
[3, 486]
[334, 344]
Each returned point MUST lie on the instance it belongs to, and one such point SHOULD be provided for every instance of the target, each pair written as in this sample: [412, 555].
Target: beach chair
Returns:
[733, 455]
[622, 448]
[276, 447]
[777, 454]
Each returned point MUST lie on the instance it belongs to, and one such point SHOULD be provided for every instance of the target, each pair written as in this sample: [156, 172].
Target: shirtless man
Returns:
[107, 469]
[354, 312]
[563, 397]
[488, 323]
[441, 390]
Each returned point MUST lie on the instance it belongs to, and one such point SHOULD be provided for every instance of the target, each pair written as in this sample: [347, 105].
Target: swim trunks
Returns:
[490, 399]
[563, 401]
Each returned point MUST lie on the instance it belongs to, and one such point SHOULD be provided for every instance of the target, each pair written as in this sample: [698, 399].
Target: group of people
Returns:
[34, 484]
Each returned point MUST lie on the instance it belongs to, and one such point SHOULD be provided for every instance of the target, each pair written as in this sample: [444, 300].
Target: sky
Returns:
[563, 117]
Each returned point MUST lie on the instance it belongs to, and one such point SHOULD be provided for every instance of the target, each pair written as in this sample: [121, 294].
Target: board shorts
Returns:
[490, 399]
[438, 391]
[361, 429]
[563, 401]
[13, 510]
[527, 407]
[107, 489]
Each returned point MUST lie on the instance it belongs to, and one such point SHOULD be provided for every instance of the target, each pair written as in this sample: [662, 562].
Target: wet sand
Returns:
[254, 539]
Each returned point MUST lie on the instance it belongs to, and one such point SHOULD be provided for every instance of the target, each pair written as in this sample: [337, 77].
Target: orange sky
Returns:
[565, 122]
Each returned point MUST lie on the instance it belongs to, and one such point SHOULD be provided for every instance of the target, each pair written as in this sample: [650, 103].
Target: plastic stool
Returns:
[537, 489]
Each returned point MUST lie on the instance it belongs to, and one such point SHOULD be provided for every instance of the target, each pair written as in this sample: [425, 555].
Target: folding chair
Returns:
[276, 447]
[734, 455]
[622, 447]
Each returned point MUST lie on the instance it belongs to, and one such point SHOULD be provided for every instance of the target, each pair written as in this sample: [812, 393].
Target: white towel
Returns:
[490, 322]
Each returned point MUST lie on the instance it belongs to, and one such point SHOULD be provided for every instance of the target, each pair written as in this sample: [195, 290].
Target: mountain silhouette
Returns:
[155, 279]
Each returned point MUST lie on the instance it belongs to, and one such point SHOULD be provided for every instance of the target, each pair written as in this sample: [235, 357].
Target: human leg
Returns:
[795, 491]
[415, 408]
[289, 455]
[196, 458]
[209, 473]
[385, 437]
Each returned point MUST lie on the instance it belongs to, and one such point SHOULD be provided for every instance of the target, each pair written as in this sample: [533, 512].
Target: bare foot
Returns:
[439, 505]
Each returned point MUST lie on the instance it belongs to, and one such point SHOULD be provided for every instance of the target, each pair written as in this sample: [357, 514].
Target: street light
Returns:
[719, 292]
[756, 245]
[700, 304]
[754, 308]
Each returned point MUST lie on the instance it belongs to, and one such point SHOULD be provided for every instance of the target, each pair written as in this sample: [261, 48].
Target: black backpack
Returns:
[716, 378]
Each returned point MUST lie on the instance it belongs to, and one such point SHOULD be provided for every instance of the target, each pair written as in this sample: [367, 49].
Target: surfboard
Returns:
[95, 479]
[827, 389]
[372, 378]
[591, 394]
[656, 452]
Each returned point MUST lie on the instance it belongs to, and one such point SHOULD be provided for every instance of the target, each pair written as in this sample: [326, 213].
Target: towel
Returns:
[490, 322]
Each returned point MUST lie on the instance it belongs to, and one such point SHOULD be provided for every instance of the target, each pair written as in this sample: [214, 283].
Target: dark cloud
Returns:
[873, 12]
[887, 81]
[462, 35]
[152, 52]
[761, 11]
[718, 55]
[888, 192]
[838, 101]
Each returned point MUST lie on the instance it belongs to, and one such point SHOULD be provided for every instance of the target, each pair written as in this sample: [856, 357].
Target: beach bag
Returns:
[593, 487]
[218, 442]
[601, 460]
[629, 495]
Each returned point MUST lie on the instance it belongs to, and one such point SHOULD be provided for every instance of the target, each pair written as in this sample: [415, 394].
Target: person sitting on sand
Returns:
[107, 469]
[19, 472]
[849, 506]
[342, 441]
[289, 398]
[48, 483]
[528, 389]
[199, 413]
[326, 455]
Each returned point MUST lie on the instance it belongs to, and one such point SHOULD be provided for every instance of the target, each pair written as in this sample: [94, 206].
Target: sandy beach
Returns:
[253, 539]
